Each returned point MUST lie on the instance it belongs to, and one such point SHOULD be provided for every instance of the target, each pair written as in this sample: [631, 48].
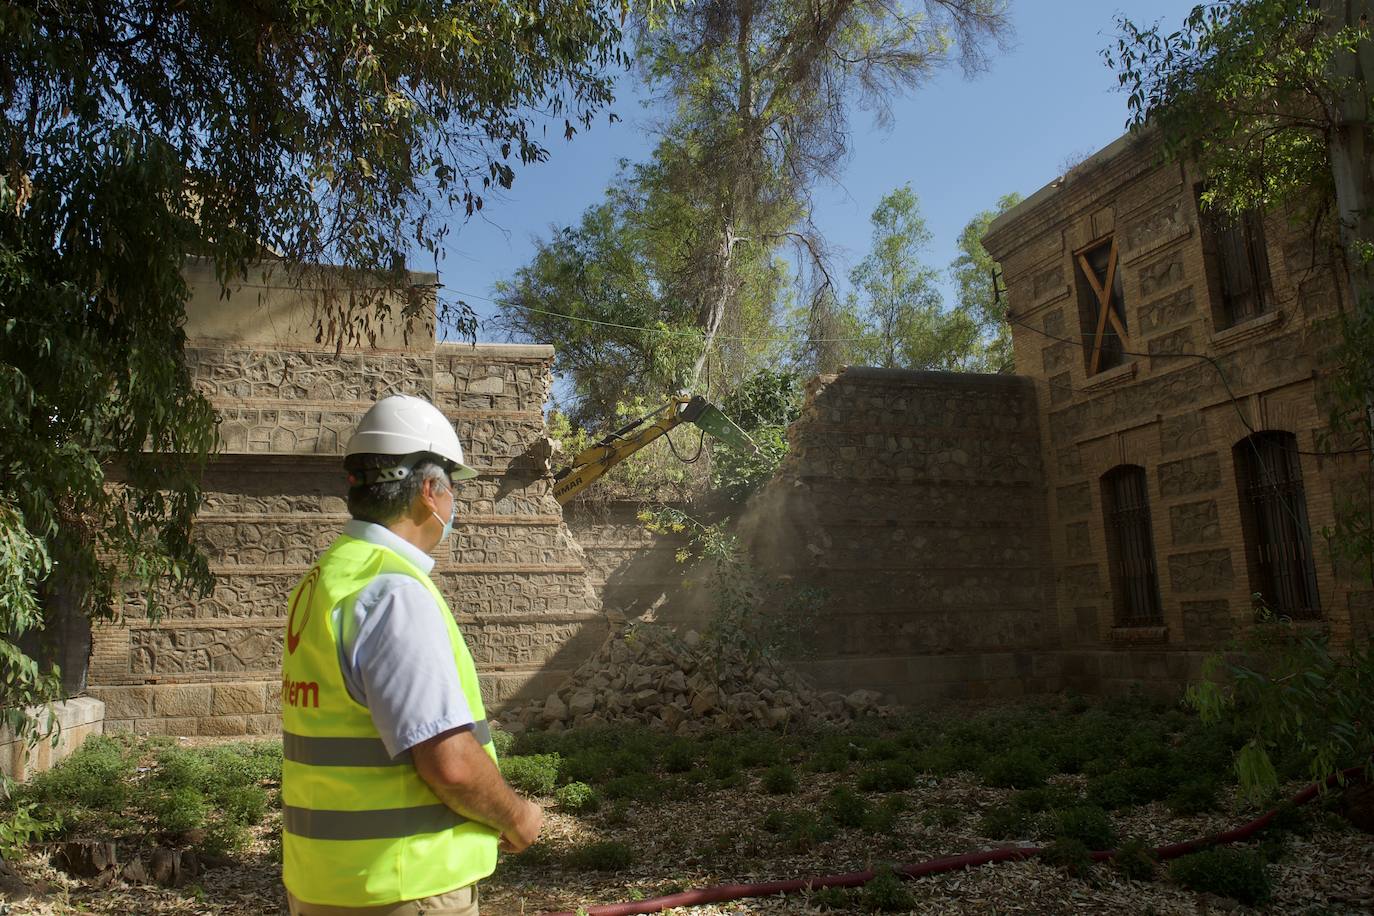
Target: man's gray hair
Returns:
[384, 502]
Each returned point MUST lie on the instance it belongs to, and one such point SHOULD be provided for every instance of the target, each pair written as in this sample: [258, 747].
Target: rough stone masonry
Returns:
[514, 576]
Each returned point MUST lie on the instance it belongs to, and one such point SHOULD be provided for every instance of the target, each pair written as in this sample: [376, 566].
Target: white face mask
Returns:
[453, 513]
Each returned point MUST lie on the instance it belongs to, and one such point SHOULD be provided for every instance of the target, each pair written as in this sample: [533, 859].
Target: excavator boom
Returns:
[593, 462]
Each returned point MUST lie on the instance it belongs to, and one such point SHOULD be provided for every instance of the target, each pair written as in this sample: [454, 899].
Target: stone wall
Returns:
[73, 720]
[1177, 417]
[915, 500]
[513, 575]
[634, 572]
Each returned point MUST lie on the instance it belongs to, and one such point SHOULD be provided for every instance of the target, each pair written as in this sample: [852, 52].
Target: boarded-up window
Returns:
[1100, 306]
[1239, 267]
[1278, 538]
[1130, 547]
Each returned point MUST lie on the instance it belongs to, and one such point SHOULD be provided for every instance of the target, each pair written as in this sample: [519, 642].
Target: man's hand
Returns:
[525, 831]
[459, 771]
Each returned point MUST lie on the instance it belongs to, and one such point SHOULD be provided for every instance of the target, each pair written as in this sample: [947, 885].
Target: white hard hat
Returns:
[402, 424]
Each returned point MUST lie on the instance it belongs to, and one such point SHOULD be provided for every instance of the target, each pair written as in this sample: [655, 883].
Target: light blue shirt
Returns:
[395, 651]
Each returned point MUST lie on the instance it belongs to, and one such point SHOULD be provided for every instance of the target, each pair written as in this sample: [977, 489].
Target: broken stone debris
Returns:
[684, 685]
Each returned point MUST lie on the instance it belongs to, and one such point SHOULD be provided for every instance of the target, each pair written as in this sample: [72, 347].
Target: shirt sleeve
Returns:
[404, 660]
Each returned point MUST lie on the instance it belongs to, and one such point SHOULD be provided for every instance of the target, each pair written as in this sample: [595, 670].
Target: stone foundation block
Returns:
[221, 725]
[232, 699]
[177, 701]
[72, 721]
[125, 702]
[262, 725]
[178, 727]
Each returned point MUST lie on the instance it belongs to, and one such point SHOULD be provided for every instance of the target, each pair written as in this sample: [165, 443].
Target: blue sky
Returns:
[960, 143]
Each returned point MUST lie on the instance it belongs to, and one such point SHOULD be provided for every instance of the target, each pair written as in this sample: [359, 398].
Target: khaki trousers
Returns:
[462, 902]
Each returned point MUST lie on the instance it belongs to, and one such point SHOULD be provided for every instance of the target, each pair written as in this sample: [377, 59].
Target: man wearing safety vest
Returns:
[392, 801]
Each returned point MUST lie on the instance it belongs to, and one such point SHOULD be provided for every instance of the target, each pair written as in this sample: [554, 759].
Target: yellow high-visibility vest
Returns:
[358, 828]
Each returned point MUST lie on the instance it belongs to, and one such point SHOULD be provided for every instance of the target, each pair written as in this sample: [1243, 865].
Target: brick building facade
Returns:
[1178, 485]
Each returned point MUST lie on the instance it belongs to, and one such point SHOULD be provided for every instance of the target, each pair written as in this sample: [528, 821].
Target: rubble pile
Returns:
[684, 685]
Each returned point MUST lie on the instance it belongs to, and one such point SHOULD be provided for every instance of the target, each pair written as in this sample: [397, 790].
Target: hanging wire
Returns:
[1220, 371]
[1251, 440]
[674, 332]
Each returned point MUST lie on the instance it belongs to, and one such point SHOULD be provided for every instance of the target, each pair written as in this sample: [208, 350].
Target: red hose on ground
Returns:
[722, 892]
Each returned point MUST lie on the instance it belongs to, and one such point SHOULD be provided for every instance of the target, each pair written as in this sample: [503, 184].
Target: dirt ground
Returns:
[716, 836]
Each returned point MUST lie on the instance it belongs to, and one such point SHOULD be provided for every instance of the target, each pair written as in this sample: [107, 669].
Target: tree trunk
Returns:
[720, 291]
[1350, 148]
[65, 640]
[1352, 170]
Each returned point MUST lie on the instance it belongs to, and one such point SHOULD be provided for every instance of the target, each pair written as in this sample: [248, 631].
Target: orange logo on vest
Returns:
[306, 591]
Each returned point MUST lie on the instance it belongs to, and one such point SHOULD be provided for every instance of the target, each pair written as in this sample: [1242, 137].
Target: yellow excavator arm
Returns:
[588, 465]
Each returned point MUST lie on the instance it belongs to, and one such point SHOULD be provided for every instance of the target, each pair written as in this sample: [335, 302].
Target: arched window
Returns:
[1278, 538]
[1130, 547]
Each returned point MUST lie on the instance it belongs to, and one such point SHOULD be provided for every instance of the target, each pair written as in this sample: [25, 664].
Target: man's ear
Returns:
[429, 491]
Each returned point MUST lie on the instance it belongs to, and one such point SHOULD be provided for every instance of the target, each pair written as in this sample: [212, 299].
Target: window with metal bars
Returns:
[1238, 263]
[1278, 538]
[1130, 547]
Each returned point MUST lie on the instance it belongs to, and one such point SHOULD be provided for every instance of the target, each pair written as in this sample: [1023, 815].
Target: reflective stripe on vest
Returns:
[354, 752]
[360, 829]
[383, 824]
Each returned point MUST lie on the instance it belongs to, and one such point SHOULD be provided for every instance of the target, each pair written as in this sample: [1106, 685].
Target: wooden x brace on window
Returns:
[1102, 289]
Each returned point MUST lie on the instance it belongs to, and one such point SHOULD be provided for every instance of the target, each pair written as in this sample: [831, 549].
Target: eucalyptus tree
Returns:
[975, 277]
[900, 303]
[760, 94]
[135, 134]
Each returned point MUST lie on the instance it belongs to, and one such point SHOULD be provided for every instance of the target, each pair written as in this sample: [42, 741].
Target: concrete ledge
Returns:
[71, 722]
[503, 351]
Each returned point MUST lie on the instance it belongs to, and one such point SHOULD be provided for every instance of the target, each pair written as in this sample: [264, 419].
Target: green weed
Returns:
[577, 797]
[1135, 860]
[847, 807]
[886, 893]
[890, 776]
[534, 774]
[501, 740]
[605, 855]
[798, 831]
[780, 779]
[633, 786]
[941, 816]
[1240, 874]
[1069, 855]
[882, 820]
[1087, 824]
[680, 756]
[1195, 797]
[830, 898]
[1122, 788]
[1019, 768]
[1004, 822]
[96, 776]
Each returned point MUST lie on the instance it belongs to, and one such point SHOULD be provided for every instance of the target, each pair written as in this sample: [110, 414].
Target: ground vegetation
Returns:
[762, 805]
